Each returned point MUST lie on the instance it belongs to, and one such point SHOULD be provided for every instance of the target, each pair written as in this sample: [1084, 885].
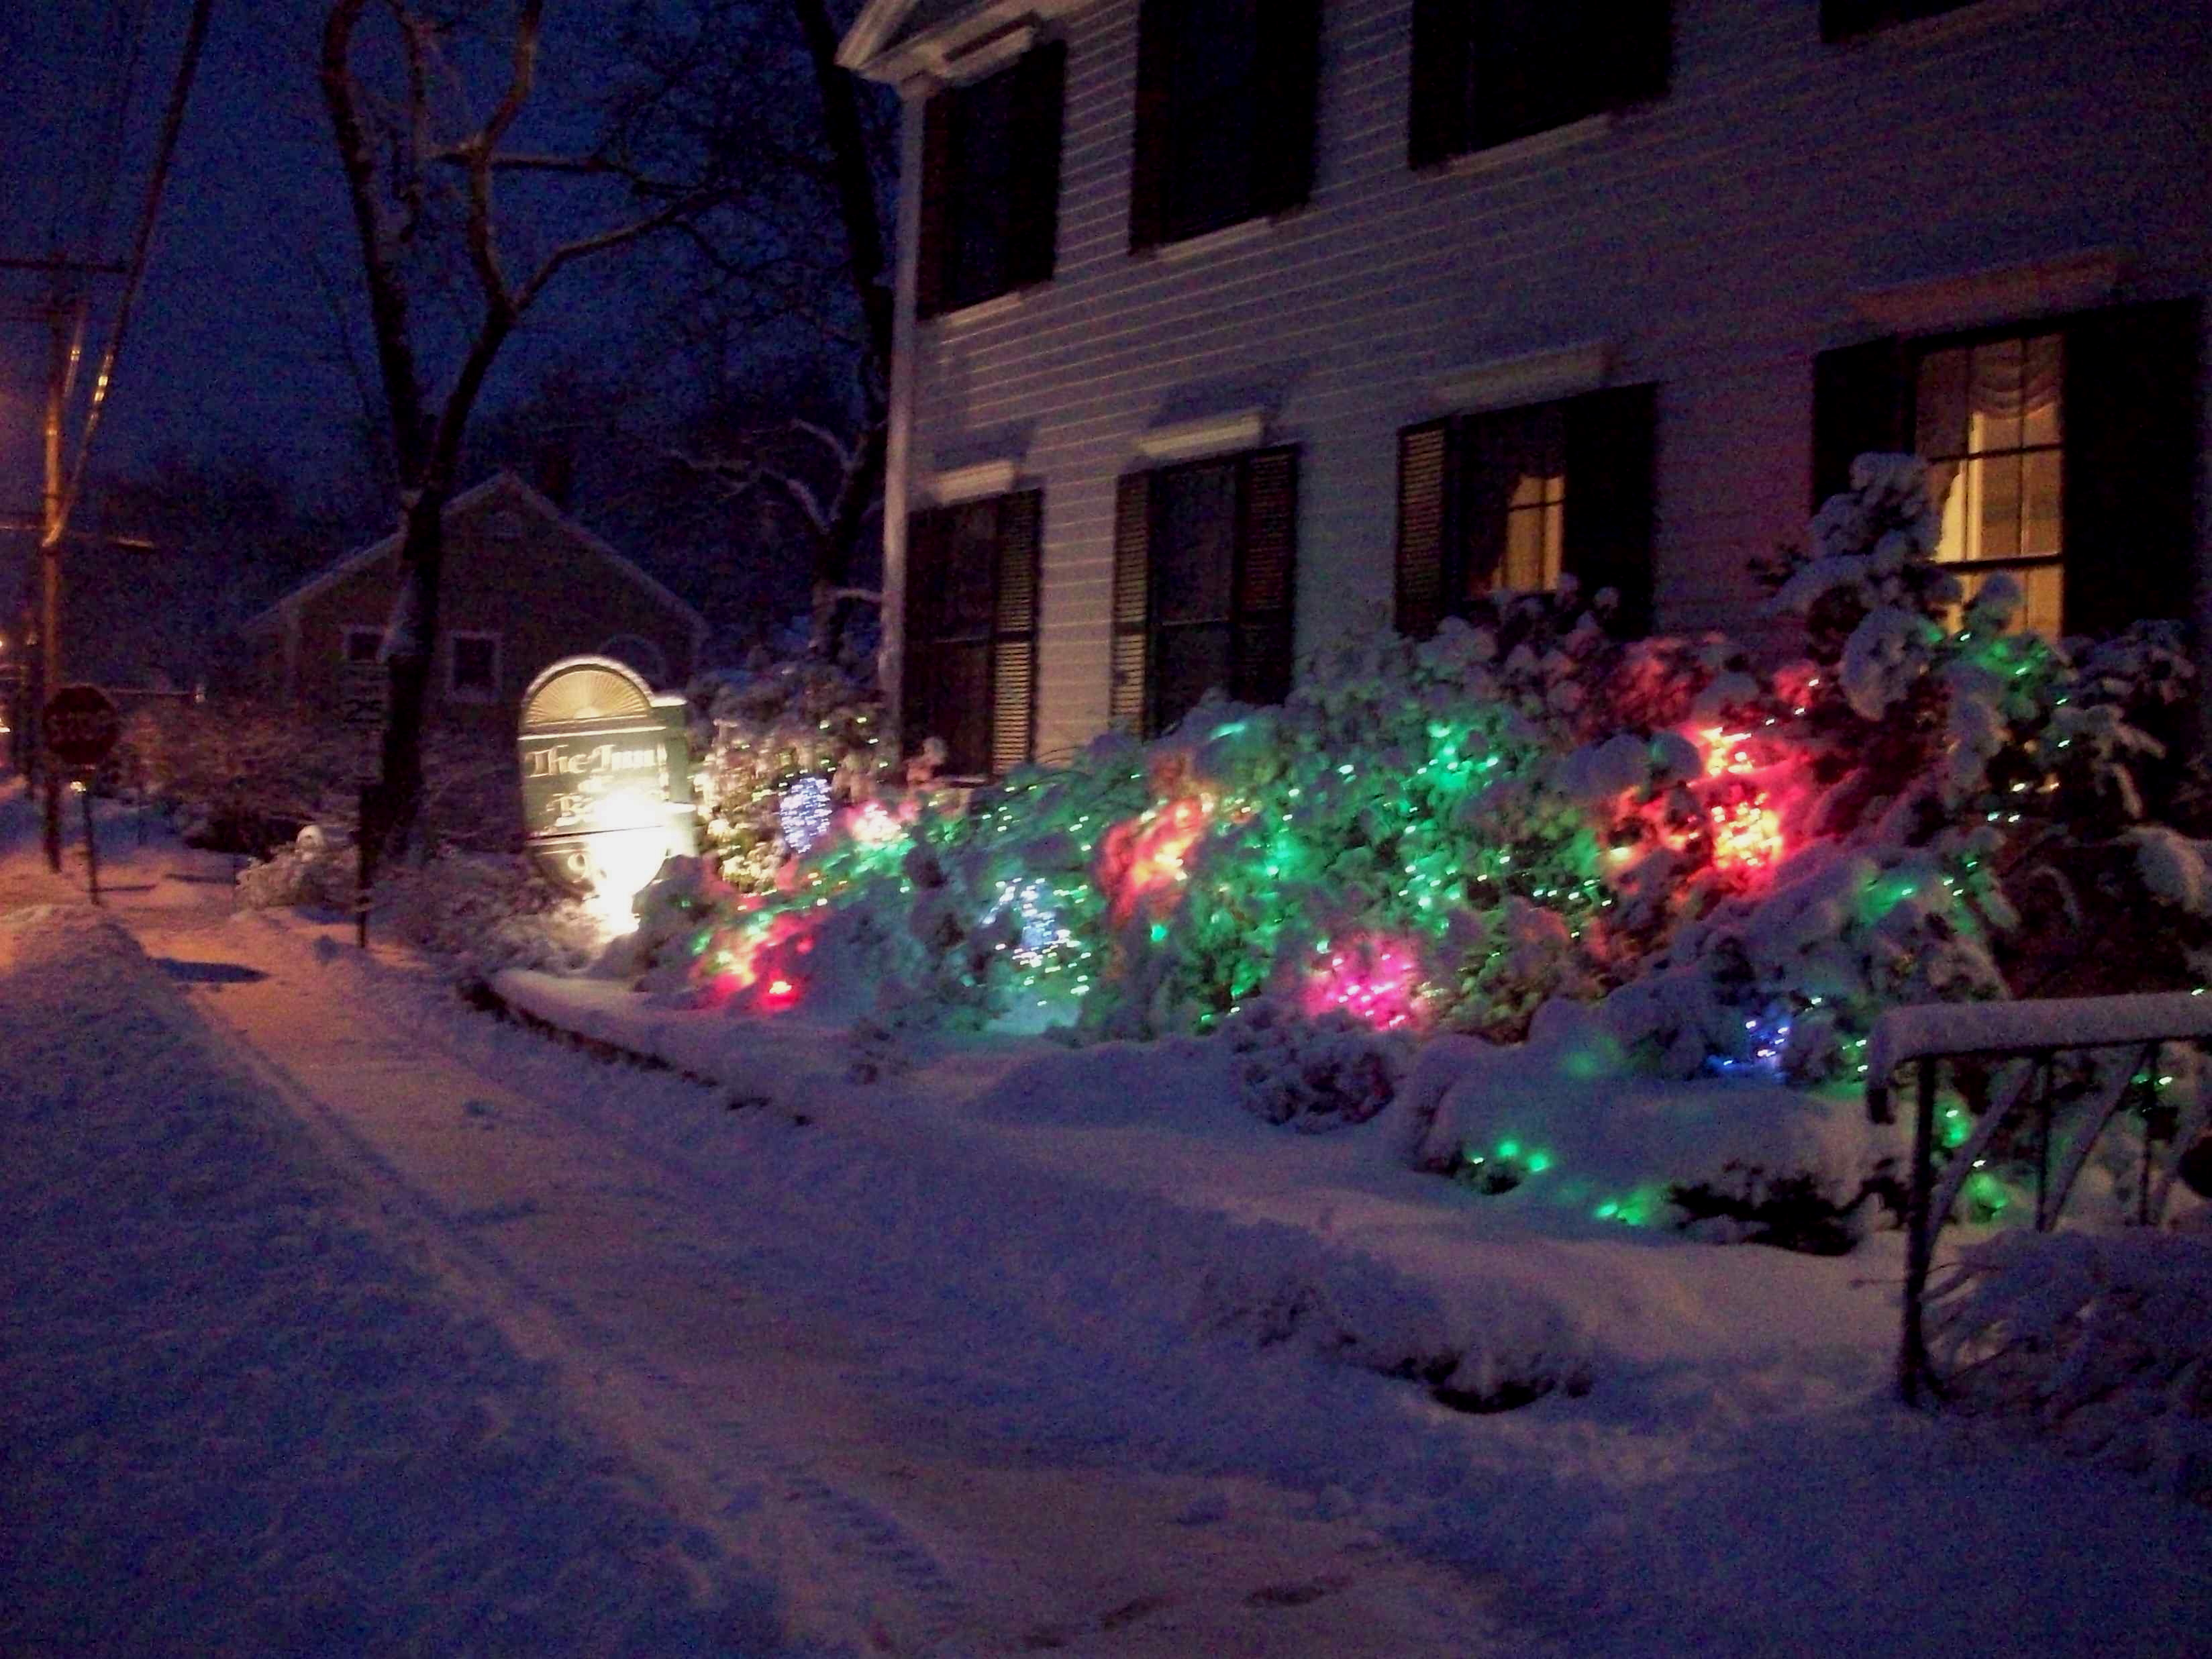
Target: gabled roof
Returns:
[894, 40]
[499, 485]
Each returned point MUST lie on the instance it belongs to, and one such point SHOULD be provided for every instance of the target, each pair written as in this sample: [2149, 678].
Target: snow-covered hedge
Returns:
[1737, 868]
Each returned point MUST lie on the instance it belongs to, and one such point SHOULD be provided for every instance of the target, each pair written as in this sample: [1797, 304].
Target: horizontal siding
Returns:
[1715, 235]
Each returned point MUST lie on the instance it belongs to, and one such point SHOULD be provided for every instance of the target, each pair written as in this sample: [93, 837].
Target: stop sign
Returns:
[81, 726]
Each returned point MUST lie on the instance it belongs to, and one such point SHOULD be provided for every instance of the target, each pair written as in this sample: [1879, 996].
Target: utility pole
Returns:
[61, 371]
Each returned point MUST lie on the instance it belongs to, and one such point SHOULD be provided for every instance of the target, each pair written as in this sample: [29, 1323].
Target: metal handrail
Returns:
[2036, 1031]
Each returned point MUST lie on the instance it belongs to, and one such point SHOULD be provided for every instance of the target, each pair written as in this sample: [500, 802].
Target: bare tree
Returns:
[419, 170]
[801, 242]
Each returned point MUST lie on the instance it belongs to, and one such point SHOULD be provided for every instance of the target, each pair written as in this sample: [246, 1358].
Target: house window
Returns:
[1841, 18]
[1486, 72]
[1511, 501]
[1203, 586]
[1987, 419]
[1226, 91]
[473, 667]
[971, 631]
[2062, 452]
[364, 644]
[991, 183]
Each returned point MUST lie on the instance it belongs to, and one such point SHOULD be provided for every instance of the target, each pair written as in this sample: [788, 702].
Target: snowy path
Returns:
[886, 1524]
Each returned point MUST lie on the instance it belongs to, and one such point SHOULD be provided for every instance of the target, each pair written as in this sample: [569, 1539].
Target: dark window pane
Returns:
[966, 587]
[1195, 542]
[953, 698]
[362, 645]
[1211, 116]
[1191, 662]
[473, 663]
[1532, 68]
[979, 211]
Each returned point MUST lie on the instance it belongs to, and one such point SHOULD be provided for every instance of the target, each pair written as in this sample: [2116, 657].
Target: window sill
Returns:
[1537, 146]
[1212, 241]
[981, 312]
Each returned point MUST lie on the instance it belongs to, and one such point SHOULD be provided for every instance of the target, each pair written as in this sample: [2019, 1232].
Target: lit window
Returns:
[1988, 419]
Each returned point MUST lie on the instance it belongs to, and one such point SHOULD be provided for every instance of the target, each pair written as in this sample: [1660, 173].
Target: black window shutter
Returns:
[1287, 73]
[1638, 40]
[1607, 539]
[2129, 414]
[1267, 576]
[931, 257]
[1424, 478]
[1442, 40]
[1014, 632]
[1127, 706]
[1148, 166]
[926, 535]
[1039, 96]
[1861, 403]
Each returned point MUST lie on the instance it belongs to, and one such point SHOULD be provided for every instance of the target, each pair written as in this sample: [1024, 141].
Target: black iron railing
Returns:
[2036, 1032]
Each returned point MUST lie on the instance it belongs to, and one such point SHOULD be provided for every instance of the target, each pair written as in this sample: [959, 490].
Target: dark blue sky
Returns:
[238, 341]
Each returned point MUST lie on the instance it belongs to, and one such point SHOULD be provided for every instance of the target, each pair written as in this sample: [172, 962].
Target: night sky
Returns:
[239, 341]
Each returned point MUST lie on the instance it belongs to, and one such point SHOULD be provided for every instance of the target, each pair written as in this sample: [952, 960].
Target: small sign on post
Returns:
[83, 726]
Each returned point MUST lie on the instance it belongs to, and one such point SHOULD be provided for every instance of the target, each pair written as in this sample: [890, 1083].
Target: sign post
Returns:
[81, 728]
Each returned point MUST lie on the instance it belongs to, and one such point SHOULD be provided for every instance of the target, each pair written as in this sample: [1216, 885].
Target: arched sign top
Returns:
[593, 689]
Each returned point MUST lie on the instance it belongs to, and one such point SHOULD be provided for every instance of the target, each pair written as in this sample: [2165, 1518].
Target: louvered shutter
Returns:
[1438, 129]
[1607, 539]
[1040, 95]
[2129, 415]
[1267, 576]
[1861, 404]
[926, 536]
[1127, 706]
[1014, 632]
[932, 255]
[1287, 77]
[1424, 477]
[1148, 167]
[1636, 39]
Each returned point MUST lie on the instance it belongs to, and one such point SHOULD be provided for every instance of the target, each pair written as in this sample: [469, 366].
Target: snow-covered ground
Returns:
[342, 1318]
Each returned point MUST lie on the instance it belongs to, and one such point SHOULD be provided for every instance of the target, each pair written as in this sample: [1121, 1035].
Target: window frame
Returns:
[1607, 532]
[1261, 636]
[1282, 99]
[1009, 637]
[1444, 122]
[455, 691]
[2129, 460]
[1028, 201]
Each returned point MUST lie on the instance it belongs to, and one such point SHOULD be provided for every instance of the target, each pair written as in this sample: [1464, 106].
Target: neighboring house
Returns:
[1229, 328]
[522, 586]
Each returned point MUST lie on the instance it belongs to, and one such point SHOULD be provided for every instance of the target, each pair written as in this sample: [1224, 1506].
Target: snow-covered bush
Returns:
[1312, 1074]
[1741, 868]
[2103, 1340]
[483, 912]
[793, 735]
[319, 870]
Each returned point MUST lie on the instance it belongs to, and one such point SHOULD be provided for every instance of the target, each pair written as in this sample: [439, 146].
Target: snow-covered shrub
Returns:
[793, 736]
[483, 912]
[2103, 1340]
[1312, 1074]
[317, 870]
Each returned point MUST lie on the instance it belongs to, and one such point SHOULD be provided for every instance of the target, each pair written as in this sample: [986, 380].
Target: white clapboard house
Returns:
[1228, 327]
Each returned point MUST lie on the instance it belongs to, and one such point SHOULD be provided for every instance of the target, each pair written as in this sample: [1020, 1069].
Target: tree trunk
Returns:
[414, 650]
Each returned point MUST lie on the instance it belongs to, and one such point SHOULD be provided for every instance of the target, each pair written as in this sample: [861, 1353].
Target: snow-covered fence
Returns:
[2036, 1031]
